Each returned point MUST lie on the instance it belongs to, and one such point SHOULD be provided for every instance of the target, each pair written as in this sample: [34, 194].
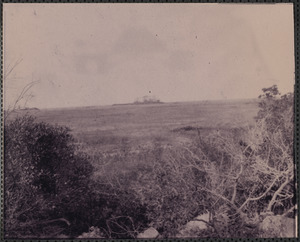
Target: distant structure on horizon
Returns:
[147, 100]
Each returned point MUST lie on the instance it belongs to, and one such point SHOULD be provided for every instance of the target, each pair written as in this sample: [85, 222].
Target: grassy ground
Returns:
[121, 136]
[109, 128]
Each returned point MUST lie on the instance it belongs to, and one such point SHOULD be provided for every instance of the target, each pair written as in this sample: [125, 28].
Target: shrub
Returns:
[235, 175]
[272, 143]
[117, 212]
[46, 179]
[169, 191]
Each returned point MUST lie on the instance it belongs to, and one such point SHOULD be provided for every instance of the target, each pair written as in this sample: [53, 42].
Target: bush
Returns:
[117, 212]
[46, 179]
[236, 175]
[272, 142]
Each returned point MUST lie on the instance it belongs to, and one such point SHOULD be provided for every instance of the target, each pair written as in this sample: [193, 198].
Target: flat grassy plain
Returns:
[107, 129]
[123, 140]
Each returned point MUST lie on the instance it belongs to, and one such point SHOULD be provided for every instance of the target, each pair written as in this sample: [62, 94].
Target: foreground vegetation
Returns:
[236, 174]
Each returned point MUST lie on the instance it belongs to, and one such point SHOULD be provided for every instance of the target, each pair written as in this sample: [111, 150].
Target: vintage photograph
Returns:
[162, 120]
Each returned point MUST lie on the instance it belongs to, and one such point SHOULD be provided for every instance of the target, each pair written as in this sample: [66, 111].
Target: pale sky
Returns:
[99, 54]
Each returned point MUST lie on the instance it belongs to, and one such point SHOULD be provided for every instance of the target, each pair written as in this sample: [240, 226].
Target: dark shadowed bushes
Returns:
[50, 188]
[46, 179]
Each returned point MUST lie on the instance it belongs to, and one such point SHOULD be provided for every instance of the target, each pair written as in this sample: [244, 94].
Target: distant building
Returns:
[147, 99]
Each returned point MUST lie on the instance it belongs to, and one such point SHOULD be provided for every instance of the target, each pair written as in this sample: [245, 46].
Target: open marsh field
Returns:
[108, 128]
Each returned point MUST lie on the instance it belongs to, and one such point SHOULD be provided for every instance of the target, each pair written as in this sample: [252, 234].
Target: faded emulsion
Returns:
[132, 121]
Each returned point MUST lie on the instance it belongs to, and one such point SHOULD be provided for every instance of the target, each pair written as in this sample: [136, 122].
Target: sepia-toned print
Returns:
[157, 121]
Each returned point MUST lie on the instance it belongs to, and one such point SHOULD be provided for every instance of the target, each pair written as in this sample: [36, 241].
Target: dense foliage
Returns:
[46, 178]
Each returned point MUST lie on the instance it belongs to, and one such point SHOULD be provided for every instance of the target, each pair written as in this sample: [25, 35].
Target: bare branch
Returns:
[6, 74]
[289, 211]
[222, 197]
[287, 180]
[261, 196]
